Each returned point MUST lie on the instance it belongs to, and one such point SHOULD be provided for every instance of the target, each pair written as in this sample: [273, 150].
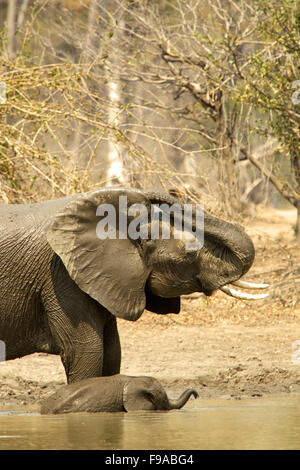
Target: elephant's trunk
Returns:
[228, 250]
[184, 397]
[235, 241]
[237, 256]
[222, 234]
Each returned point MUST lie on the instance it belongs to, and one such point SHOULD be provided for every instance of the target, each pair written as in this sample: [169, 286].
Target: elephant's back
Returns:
[22, 218]
[96, 394]
[24, 249]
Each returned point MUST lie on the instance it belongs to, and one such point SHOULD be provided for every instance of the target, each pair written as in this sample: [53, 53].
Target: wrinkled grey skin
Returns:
[61, 287]
[114, 393]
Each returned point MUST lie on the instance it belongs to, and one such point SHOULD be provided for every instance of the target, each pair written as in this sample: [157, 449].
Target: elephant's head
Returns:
[126, 273]
[146, 393]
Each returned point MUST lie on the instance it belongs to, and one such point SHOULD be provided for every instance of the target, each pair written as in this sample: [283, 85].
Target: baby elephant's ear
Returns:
[111, 270]
[144, 393]
[137, 394]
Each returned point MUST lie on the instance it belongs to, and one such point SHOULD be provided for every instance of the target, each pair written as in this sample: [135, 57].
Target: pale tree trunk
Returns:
[15, 20]
[21, 14]
[114, 169]
[11, 28]
[88, 52]
[116, 172]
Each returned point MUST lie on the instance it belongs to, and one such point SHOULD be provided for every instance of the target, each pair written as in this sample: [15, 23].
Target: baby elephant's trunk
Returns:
[184, 397]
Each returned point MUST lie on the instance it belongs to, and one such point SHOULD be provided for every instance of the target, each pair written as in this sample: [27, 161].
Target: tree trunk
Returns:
[11, 28]
[297, 228]
[116, 173]
[87, 55]
[295, 160]
[115, 169]
[21, 14]
[227, 178]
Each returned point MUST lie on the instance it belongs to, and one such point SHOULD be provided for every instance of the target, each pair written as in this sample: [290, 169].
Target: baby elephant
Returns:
[113, 393]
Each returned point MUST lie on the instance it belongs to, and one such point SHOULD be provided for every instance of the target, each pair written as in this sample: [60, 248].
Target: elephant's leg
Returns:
[85, 358]
[112, 348]
[77, 324]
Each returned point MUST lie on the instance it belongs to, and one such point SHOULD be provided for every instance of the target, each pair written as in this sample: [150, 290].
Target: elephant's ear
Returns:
[112, 270]
[138, 394]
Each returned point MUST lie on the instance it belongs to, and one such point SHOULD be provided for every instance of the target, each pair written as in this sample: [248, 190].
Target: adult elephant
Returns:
[62, 287]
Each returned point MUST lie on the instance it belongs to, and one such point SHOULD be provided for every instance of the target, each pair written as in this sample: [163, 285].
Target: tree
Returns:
[268, 83]
[11, 27]
[50, 98]
[181, 52]
[15, 19]
[171, 99]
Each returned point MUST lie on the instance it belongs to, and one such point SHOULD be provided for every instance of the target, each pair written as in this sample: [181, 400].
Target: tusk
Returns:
[249, 285]
[240, 295]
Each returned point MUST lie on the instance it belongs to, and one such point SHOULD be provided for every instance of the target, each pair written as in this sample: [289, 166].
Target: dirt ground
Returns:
[223, 347]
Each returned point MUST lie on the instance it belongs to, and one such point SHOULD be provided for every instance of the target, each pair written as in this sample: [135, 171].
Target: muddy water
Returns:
[215, 424]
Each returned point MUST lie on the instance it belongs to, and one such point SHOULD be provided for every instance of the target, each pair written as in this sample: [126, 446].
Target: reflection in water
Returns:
[245, 424]
[74, 431]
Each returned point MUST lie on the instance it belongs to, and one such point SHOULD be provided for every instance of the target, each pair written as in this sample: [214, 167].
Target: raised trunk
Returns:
[240, 249]
[184, 397]
[226, 242]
